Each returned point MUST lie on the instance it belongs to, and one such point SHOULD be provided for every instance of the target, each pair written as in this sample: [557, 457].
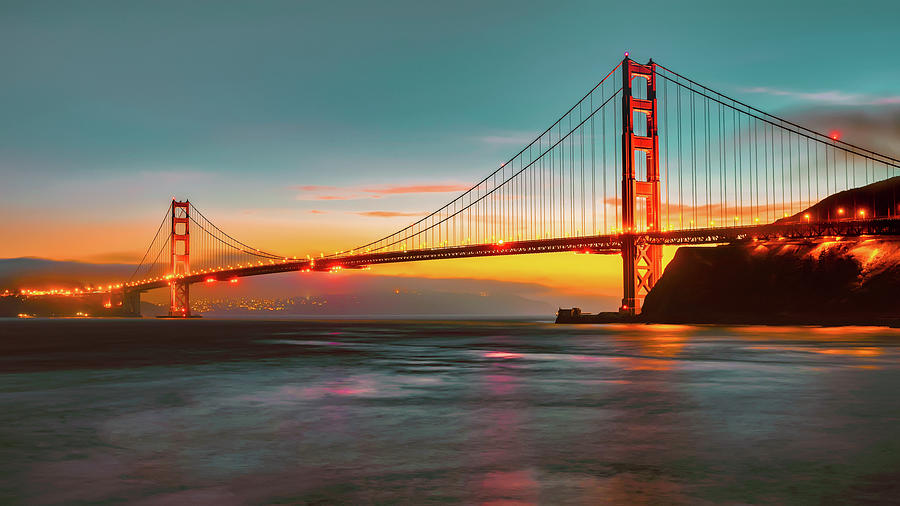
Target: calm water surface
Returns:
[361, 412]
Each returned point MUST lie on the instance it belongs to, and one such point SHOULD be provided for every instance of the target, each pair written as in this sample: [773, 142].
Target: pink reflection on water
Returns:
[501, 384]
[497, 441]
[288, 394]
[502, 355]
[509, 487]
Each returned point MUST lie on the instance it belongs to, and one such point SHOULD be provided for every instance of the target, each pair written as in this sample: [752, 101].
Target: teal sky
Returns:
[111, 108]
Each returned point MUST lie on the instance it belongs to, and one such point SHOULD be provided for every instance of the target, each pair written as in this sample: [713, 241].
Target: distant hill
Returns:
[879, 199]
[39, 273]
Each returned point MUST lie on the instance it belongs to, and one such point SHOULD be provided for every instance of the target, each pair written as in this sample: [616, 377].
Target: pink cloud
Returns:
[388, 214]
[314, 188]
[315, 192]
[428, 188]
[334, 197]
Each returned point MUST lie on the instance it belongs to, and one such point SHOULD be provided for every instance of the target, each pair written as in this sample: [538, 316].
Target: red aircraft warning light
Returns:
[835, 135]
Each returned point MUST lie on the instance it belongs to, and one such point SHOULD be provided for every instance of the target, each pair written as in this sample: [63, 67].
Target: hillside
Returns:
[880, 199]
[845, 281]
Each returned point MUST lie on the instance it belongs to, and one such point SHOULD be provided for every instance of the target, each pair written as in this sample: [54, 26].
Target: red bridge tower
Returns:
[642, 261]
[180, 263]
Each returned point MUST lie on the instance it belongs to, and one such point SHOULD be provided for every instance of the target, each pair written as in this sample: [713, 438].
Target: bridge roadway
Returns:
[600, 244]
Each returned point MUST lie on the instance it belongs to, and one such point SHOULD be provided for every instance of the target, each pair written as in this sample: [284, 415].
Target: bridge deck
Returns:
[600, 244]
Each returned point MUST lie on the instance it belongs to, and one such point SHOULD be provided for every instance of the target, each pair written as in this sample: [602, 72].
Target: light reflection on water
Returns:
[475, 412]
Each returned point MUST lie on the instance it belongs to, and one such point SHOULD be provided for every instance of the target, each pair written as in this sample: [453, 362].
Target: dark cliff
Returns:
[852, 281]
[838, 282]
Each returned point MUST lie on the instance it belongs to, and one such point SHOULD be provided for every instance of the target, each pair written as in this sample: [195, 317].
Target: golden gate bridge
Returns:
[648, 157]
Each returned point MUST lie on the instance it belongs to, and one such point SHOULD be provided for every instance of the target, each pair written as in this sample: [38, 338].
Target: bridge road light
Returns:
[862, 213]
[806, 217]
[841, 211]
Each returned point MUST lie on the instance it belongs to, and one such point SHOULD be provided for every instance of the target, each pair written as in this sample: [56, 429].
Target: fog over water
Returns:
[364, 411]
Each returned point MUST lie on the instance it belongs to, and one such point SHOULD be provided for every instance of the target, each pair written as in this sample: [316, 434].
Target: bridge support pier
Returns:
[180, 294]
[642, 262]
[131, 303]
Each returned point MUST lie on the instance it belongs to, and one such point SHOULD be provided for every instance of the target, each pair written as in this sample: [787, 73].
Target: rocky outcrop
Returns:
[831, 282]
[835, 282]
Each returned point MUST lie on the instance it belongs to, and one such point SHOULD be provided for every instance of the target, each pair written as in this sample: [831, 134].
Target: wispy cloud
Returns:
[832, 97]
[388, 214]
[317, 211]
[428, 188]
[335, 197]
[315, 188]
[313, 192]
[123, 257]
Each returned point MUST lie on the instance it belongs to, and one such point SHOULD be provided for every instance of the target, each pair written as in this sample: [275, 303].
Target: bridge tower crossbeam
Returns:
[642, 262]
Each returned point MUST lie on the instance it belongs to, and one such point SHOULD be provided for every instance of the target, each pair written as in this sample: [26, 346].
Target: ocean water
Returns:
[419, 412]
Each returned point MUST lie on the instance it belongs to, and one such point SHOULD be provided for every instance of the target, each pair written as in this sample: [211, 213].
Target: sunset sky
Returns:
[302, 127]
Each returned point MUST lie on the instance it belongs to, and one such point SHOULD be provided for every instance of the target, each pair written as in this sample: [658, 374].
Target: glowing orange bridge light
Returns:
[840, 210]
[862, 212]
[806, 216]
[233, 280]
[210, 280]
